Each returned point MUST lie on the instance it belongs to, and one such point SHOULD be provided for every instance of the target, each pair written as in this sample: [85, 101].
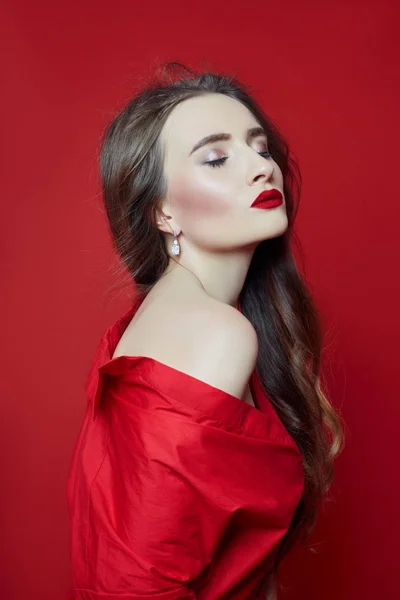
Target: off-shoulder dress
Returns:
[177, 489]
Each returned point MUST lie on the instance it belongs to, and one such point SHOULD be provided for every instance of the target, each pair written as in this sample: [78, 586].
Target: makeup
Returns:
[268, 199]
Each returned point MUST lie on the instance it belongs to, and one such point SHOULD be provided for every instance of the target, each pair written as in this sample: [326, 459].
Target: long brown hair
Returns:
[274, 297]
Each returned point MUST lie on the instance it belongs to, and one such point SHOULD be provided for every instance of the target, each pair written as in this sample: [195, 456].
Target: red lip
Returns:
[267, 195]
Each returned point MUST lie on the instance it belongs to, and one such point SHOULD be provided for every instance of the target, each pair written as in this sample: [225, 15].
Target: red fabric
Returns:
[177, 489]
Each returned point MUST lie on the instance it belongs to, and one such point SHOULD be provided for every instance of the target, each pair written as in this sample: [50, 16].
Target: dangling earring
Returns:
[175, 246]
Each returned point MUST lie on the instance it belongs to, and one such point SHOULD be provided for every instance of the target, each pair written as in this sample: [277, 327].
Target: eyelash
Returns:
[220, 161]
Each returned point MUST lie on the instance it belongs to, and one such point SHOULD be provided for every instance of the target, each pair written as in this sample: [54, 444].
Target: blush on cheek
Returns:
[197, 200]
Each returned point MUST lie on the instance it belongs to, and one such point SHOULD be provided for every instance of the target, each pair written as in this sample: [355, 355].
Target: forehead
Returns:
[197, 117]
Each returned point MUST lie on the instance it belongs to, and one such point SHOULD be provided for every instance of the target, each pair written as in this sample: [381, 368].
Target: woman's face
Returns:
[210, 204]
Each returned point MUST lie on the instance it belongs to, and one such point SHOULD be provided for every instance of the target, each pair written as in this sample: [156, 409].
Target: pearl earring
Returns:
[176, 249]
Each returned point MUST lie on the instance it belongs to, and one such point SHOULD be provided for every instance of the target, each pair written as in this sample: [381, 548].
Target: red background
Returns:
[328, 74]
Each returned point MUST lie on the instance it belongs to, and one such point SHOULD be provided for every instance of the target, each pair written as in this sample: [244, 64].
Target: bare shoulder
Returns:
[226, 349]
[204, 338]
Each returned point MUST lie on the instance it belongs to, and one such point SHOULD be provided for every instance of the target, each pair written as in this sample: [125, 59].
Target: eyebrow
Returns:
[218, 137]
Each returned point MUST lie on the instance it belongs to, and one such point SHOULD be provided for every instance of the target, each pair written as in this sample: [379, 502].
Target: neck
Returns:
[220, 276]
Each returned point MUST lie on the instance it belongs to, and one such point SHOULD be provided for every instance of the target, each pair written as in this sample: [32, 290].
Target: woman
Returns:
[208, 444]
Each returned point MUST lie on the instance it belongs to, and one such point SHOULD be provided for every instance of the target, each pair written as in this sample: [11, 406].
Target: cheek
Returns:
[198, 198]
[206, 211]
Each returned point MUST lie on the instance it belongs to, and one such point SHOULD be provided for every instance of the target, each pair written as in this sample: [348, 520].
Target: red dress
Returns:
[177, 489]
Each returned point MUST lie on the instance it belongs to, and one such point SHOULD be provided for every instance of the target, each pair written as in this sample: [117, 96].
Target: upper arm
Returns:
[223, 350]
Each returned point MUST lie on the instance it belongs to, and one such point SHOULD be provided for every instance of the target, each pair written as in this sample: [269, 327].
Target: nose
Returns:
[261, 168]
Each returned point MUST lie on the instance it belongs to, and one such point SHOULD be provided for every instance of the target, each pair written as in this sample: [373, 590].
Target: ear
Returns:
[166, 223]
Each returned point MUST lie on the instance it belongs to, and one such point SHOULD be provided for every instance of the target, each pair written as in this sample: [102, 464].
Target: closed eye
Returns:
[220, 161]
